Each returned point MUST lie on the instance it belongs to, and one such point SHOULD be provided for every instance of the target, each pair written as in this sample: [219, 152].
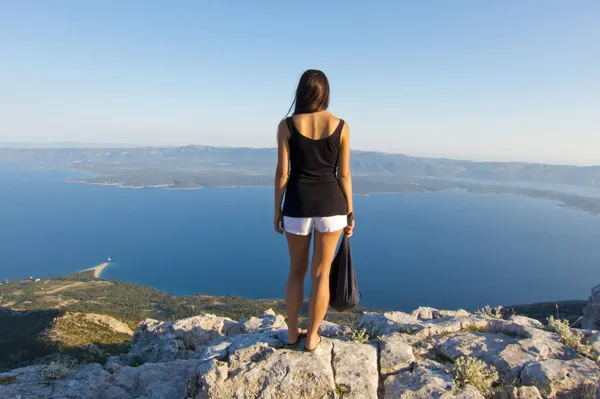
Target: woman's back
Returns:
[314, 146]
[316, 125]
[314, 154]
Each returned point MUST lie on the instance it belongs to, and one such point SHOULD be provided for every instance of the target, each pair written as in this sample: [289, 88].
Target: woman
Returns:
[313, 171]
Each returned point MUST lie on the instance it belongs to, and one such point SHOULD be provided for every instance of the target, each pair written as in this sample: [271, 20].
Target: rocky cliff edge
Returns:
[426, 354]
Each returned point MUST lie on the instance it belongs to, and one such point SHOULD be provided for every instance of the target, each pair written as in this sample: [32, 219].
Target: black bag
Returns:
[343, 288]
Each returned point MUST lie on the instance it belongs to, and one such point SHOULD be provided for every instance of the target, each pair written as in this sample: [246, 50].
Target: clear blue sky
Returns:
[492, 80]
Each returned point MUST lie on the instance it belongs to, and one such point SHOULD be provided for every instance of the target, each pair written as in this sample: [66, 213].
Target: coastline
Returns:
[97, 269]
[122, 185]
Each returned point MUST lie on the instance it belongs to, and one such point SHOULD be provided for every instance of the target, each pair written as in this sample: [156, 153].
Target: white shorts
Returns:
[304, 226]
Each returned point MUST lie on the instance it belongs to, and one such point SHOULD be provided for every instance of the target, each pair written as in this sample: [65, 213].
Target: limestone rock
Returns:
[563, 378]
[214, 357]
[594, 340]
[157, 341]
[526, 392]
[259, 371]
[388, 323]
[427, 313]
[526, 321]
[508, 354]
[268, 322]
[153, 380]
[427, 380]
[591, 312]
[355, 370]
[332, 330]
[395, 354]
[423, 313]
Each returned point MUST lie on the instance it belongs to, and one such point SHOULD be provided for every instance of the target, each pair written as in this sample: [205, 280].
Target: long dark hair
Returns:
[312, 94]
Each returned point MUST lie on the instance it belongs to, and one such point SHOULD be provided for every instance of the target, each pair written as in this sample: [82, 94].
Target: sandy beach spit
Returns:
[97, 269]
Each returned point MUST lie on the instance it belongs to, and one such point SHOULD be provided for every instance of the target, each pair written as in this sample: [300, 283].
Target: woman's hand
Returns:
[349, 229]
[278, 222]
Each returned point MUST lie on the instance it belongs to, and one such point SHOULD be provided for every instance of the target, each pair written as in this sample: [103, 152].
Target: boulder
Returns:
[396, 354]
[355, 370]
[158, 341]
[563, 378]
[257, 369]
[426, 380]
[332, 330]
[591, 312]
[427, 313]
[267, 322]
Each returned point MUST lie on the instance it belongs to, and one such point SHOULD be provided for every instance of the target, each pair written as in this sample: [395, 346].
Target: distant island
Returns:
[194, 167]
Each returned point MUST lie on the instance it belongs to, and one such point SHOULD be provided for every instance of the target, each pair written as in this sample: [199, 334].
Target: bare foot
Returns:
[293, 338]
[312, 342]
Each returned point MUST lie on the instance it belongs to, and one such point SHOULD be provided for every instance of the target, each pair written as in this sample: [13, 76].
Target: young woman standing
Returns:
[313, 171]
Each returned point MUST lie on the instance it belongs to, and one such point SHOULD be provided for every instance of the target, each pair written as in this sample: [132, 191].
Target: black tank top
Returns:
[313, 188]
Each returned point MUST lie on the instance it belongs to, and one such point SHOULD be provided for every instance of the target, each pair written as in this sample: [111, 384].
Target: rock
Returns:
[332, 330]
[527, 392]
[157, 341]
[427, 380]
[214, 357]
[268, 322]
[563, 378]
[426, 313]
[508, 354]
[423, 313]
[259, 371]
[388, 323]
[355, 370]
[395, 354]
[594, 340]
[156, 380]
[591, 312]
[526, 321]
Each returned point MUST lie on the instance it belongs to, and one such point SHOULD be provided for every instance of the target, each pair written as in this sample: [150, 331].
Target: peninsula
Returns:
[97, 270]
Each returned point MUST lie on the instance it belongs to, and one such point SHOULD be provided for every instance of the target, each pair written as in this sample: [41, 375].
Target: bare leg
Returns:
[323, 254]
[299, 247]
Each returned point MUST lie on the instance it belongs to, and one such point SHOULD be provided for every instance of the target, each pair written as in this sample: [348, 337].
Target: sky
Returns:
[485, 80]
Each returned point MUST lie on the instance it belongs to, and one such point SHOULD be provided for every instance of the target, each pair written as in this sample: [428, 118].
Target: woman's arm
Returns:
[345, 177]
[282, 172]
[344, 174]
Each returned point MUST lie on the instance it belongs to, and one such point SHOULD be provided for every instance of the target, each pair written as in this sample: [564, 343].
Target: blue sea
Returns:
[446, 250]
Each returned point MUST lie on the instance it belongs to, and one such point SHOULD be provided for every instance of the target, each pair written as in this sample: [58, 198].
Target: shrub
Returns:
[487, 311]
[360, 335]
[568, 337]
[473, 371]
[55, 370]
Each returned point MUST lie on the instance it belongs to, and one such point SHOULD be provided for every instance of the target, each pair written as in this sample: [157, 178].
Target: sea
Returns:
[446, 249]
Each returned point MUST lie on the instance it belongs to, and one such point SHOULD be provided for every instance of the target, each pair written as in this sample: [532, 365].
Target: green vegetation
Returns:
[360, 335]
[475, 372]
[495, 313]
[570, 338]
[7, 380]
[568, 310]
[41, 319]
[55, 370]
